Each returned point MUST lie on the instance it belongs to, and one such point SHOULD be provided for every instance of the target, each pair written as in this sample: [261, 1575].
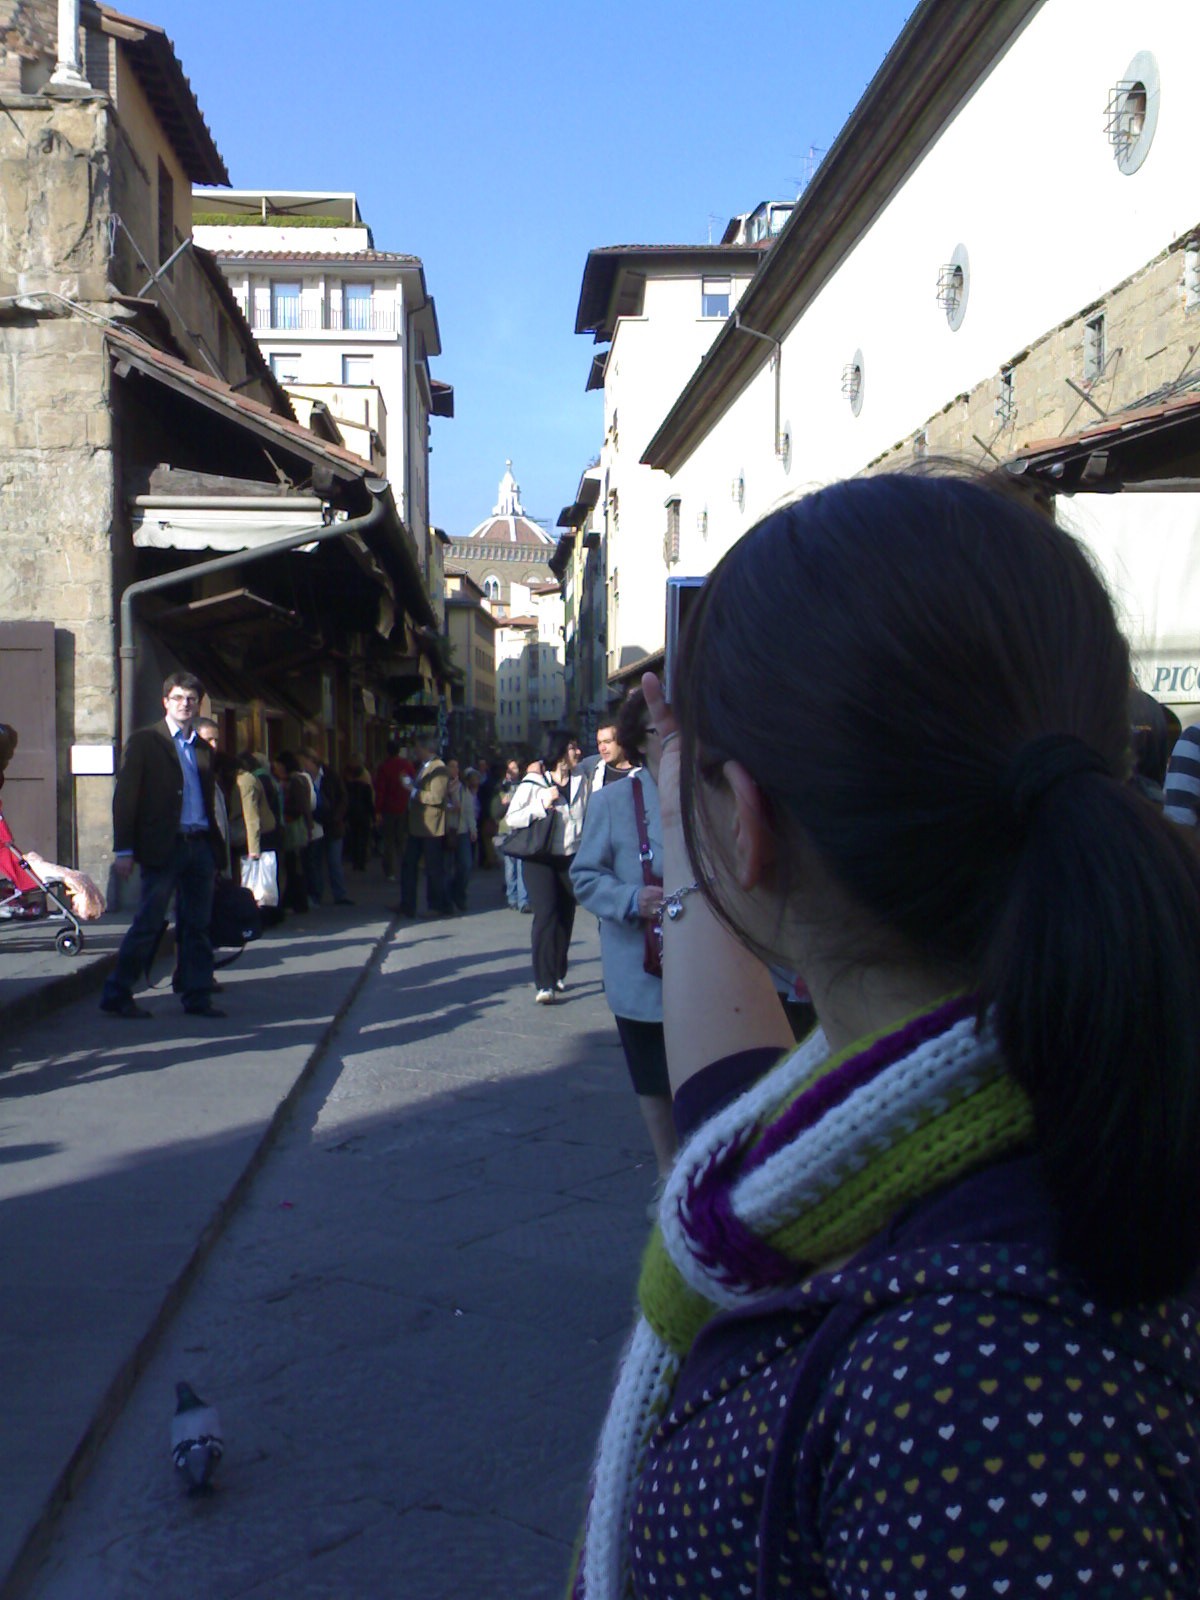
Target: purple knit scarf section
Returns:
[836, 1086]
[718, 1237]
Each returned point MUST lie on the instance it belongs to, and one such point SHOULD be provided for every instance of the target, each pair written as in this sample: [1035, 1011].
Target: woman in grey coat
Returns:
[606, 875]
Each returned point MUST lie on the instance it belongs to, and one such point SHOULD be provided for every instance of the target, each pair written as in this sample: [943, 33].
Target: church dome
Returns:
[508, 523]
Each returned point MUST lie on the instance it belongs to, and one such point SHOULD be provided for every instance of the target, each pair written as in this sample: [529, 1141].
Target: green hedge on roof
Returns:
[243, 219]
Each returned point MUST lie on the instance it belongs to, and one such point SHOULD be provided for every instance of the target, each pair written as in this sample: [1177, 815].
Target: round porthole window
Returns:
[853, 380]
[954, 285]
[1131, 117]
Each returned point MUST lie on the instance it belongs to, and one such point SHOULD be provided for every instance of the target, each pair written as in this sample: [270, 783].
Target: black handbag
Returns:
[236, 919]
[531, 840]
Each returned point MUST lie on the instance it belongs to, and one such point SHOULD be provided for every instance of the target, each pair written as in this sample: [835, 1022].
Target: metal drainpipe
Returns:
[376, 487]
[777, 346]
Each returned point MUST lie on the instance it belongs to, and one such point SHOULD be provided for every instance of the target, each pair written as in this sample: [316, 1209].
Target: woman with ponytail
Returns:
[919, 1314]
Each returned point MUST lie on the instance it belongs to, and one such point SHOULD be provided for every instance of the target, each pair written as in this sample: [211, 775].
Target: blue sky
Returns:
[501, 142]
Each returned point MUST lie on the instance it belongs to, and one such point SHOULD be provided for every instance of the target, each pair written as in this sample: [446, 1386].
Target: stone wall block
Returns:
[61, 430]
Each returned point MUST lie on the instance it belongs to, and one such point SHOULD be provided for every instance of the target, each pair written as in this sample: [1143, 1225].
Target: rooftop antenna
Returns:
[812, 161]
[713, 216]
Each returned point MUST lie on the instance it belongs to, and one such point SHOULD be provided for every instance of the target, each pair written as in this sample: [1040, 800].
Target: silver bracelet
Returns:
[671, 906]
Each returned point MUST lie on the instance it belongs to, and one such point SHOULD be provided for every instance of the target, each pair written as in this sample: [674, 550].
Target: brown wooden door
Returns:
[30, 797]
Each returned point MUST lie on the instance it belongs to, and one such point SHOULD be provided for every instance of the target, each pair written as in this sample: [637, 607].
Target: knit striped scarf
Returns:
[802, 1169]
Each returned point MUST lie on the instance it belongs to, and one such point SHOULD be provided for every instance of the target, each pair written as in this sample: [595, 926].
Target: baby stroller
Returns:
[26, 899]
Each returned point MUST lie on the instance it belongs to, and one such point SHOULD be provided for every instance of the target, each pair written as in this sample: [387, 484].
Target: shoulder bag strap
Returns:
[645, 854]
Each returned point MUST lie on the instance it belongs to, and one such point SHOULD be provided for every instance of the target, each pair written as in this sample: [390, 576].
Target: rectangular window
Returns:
[285, 305]
[166, 213]
[286, 365]
[1006, 399]
[358, 307]
[1191, 276]
[357, 370]
[671, 537]
[714, 296]
[1094, 358]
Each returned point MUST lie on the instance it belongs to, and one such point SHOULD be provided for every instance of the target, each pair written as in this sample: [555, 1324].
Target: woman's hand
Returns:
[649, 901]
[662, 749]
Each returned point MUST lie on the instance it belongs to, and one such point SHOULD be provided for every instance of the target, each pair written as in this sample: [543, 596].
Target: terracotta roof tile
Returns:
[375, 257]
[215, 390]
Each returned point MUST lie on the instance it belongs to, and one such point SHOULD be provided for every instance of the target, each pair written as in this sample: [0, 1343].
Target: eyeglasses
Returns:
[184, 699]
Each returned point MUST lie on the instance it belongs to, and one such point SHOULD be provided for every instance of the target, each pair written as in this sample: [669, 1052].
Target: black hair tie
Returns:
[1039, 765]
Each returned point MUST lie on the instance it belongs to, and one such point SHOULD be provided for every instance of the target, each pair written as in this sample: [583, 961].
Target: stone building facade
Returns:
[141, 431]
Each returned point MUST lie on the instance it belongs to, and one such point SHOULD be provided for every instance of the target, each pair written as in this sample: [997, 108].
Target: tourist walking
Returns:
[920, 1312]
[550, 789]
[617, 876]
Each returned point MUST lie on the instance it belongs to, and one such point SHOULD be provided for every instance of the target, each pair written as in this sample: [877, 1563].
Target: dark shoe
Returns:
[124, 1008]
[204, 1011]
[402, 911]
[526, 911]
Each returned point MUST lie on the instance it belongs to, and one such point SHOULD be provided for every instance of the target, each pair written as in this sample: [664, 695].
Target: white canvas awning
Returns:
[1148, 548]
[167, 522]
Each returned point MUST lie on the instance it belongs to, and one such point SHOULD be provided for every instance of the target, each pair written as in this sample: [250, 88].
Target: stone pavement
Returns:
[35, 979]
[409, 1322]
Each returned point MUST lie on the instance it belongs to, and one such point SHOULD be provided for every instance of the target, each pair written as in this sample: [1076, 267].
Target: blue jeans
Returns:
[321, 856]
[191, 871]
[514, 881]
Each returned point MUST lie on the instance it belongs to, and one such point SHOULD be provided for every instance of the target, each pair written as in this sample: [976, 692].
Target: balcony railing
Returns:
[289, 316]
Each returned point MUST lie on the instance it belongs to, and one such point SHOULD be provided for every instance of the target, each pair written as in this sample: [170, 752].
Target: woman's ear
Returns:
[753, 836]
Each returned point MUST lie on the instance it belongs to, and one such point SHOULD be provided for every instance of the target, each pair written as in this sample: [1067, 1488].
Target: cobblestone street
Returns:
[410, 1324]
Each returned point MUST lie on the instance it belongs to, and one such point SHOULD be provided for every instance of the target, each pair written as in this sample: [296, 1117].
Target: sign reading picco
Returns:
[1169, 678]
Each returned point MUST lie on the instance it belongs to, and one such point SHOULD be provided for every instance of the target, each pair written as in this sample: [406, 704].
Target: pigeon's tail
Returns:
[196, 1460]
[197, 1491]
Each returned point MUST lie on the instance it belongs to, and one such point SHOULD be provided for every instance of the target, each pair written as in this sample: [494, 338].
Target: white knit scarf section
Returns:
[798, 1176]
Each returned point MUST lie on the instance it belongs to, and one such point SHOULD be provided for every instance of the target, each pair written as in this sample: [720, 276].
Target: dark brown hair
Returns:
[876, 655]
[631, 723]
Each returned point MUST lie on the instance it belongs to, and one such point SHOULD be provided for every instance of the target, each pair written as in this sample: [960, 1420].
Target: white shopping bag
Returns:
[261, 877]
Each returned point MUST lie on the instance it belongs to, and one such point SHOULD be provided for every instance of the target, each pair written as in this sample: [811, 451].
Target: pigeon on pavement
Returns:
[196, 1442]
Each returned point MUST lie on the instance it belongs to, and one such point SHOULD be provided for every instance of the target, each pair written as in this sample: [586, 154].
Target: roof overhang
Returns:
[945, 50]
[604, 267]
[347, 475]
[631, 673]
[442, 398]
[161, 78]
[130, 353]
[233, 611]
[1146, 446]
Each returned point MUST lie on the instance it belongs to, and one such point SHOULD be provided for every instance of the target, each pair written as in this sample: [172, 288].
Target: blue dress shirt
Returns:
[193, 817]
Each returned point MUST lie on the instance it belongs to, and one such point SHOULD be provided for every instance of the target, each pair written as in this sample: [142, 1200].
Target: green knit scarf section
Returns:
[991, 1119]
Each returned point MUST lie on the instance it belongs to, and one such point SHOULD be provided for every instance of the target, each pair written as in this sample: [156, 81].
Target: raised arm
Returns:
[718, 998]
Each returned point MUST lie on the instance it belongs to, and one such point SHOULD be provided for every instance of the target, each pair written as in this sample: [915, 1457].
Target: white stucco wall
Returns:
[652, 356]
[333, 241]
[1026, 179]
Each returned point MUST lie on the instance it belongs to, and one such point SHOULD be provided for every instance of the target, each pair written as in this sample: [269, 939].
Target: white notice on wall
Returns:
[93, 760]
